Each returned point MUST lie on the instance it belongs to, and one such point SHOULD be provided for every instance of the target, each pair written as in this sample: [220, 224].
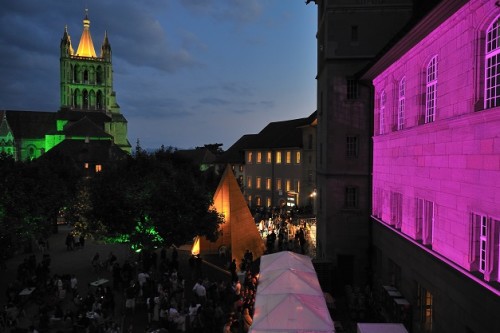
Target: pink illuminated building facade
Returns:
[436, 168]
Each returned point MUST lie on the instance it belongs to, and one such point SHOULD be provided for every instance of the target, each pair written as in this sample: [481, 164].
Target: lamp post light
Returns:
[313, 201]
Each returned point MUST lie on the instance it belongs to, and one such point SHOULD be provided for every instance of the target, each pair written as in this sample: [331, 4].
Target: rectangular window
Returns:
[86, 165]
[250, 200]
[424, 220]
[240, 180]
[258, 182]
[258, 201]
[249, 182]
[352, 146]
[288, 185]
[278, 157]
[268, 183]
[352, 89]
[396, 209]
[268, 202]
[297, 157]
[249, 157]
[351, 197]
[485, 246]
[269, 157]
[425, 308]
[492, 66]
[354, 33]
[431, 91]
[259, 157]
[288, 157]
[98, 168]
[296, 185]
[382, 113]
[241, 168]
[278, 184]
[401, 104]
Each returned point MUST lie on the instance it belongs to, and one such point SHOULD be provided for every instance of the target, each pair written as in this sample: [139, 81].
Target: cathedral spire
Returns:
[106, 47]
[86, 47]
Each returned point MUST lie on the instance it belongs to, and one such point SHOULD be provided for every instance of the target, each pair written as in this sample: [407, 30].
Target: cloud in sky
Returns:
[186, 72]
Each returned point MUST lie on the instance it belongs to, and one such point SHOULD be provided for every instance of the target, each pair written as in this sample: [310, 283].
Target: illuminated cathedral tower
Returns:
[87, 83]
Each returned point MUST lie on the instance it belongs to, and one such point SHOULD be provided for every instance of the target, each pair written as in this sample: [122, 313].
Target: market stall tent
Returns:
[238, 233]
[289, 297]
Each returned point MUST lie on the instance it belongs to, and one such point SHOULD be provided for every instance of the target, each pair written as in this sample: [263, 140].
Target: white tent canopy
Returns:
[289, 297]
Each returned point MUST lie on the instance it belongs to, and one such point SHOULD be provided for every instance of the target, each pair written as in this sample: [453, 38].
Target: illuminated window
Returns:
[424, 221]
[484, 246]
[86, 166]
[297, 157]
[258, 182]
[269, 157]
[382, 112]
[278, 184]
[288, 157]
[297, 185]
[288, 185]
[278, 157]
[98, 168]
[431, 91]
[259, 157]
[258, 201]
[250, 200]
[268, 183]
[492, 65]
[424, 307]
[240, 180]
[351, 197]
[249, 157]
[401, 104]
[268, 202]
[396, 209]
[241, 168]
[352, 146]
[249, 182]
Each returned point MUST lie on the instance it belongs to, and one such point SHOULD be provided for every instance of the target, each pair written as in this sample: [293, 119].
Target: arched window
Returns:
[431, 90]
[99, 75]
[92, 99]
[76, 94]
[492, 66]
[85, 100]
[75, 74]
[401, 103]
[98, 102]
[382, 112]
[86, 76]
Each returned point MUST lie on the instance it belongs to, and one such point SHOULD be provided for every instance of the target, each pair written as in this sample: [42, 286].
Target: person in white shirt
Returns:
[200, 292]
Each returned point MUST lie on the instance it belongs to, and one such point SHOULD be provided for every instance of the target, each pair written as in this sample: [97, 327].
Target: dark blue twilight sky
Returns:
[186, 72]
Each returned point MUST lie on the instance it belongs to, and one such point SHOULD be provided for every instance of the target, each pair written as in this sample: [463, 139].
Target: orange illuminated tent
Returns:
[238, 232]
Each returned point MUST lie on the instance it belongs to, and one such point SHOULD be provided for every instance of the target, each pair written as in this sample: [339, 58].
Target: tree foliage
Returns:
[154, 196]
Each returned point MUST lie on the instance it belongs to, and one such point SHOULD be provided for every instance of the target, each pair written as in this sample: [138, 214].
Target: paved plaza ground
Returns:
[78, 262]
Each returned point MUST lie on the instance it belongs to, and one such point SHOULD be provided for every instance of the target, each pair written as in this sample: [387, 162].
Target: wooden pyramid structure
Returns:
[238, 232]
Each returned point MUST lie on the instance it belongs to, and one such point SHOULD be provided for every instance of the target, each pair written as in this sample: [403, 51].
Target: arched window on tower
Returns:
[92, 102]
[99, 75]
[85, 100]
[98, 102]
[76, 94]
[75, 73]
[72, 74]
[86, 76]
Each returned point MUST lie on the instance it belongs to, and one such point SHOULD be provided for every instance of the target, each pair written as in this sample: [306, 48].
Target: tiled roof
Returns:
[99, 151]
[198, 156]
[31, 124]
[84, 127]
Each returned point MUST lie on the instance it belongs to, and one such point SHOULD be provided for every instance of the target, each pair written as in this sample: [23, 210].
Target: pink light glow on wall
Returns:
[445, 168]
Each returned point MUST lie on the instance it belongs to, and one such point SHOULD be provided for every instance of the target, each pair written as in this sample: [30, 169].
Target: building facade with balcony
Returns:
[436, 168]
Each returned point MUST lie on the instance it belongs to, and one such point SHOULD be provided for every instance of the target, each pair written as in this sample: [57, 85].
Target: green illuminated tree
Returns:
[155, 196]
